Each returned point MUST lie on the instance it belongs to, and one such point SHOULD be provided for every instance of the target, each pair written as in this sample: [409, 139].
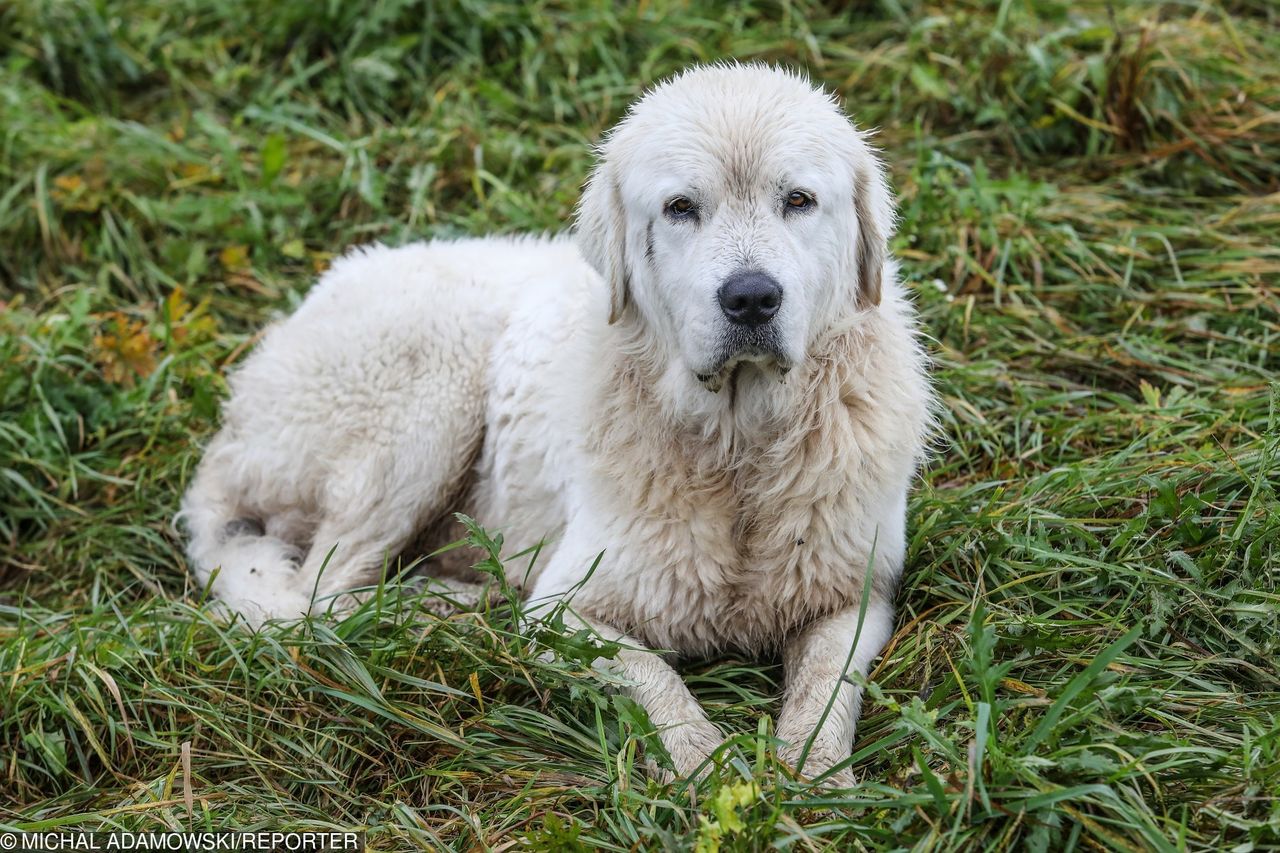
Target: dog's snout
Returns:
[750, 298]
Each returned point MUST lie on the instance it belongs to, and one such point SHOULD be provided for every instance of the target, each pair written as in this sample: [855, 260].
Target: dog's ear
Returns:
[873, 205]
[602, 236]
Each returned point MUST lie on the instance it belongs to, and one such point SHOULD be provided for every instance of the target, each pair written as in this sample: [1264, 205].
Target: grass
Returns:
[1088, 633]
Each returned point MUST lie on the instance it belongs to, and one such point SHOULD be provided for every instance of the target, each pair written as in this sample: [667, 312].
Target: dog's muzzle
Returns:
[741, 346]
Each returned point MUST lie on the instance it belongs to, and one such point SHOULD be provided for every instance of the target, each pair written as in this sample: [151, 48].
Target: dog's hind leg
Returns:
[350, 550]
[246, 568]
[351, 427]
[376, 502]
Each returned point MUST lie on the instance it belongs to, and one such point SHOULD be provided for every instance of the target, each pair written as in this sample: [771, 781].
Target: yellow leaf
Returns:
[1020, 687]
[125, 350]
[177, 306]
[1150, 393]
[69, 183]
[234, 257]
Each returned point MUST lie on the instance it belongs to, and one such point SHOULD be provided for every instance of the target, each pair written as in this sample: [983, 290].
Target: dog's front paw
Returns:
[821, 758]
[689, 745]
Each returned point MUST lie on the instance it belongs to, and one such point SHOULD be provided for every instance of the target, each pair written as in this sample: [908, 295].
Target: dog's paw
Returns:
[690, 746]
[821, 758]
[254, 614]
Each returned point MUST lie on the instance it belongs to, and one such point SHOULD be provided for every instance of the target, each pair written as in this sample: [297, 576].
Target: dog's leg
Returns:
[250, 570]
[682, 726]
[377, 500]
[815, 662]
[350, 550]
[647, 678]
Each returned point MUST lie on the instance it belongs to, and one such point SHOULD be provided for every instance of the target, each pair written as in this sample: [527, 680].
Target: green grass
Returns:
[1088, 631]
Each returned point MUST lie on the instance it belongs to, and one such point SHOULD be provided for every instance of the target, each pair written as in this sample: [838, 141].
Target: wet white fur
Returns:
[549, 387]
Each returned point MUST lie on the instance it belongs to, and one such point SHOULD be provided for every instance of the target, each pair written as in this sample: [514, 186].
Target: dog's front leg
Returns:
[813, 724]
[686, 733]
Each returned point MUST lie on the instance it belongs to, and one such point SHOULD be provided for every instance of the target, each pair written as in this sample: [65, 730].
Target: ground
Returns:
[1088, 633]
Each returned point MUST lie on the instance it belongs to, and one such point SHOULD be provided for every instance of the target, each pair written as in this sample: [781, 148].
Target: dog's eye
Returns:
[799, 200]
[680, 207]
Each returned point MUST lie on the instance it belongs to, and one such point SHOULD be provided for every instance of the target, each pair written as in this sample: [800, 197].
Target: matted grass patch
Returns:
[1087, 643]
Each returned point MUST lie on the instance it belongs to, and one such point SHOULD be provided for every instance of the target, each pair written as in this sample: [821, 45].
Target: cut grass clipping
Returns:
[1088, 633]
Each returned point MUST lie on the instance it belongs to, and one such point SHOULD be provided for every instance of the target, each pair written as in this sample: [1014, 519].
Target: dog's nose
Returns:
[750, 298]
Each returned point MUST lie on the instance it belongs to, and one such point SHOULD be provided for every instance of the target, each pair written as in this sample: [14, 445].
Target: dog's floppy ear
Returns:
[602, 236]
[873, 206]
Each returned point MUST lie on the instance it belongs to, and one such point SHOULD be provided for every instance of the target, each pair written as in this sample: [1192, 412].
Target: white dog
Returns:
[718, 385]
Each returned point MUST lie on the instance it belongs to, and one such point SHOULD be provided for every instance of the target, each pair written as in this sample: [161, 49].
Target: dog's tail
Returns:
[252, 573]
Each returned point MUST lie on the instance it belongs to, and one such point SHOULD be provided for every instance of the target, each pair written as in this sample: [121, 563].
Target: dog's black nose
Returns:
[750, 298]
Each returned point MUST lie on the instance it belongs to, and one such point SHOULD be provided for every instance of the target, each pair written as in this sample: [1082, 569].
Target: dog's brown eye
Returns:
[799, 200]
[680, 206]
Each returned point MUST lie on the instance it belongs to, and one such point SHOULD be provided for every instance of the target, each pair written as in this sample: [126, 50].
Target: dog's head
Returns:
[738, 212]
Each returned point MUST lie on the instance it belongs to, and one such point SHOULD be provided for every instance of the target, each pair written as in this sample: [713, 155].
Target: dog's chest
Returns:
[739, 544]
[731, 565]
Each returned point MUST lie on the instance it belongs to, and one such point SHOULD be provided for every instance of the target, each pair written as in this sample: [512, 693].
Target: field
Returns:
[1087, 645]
